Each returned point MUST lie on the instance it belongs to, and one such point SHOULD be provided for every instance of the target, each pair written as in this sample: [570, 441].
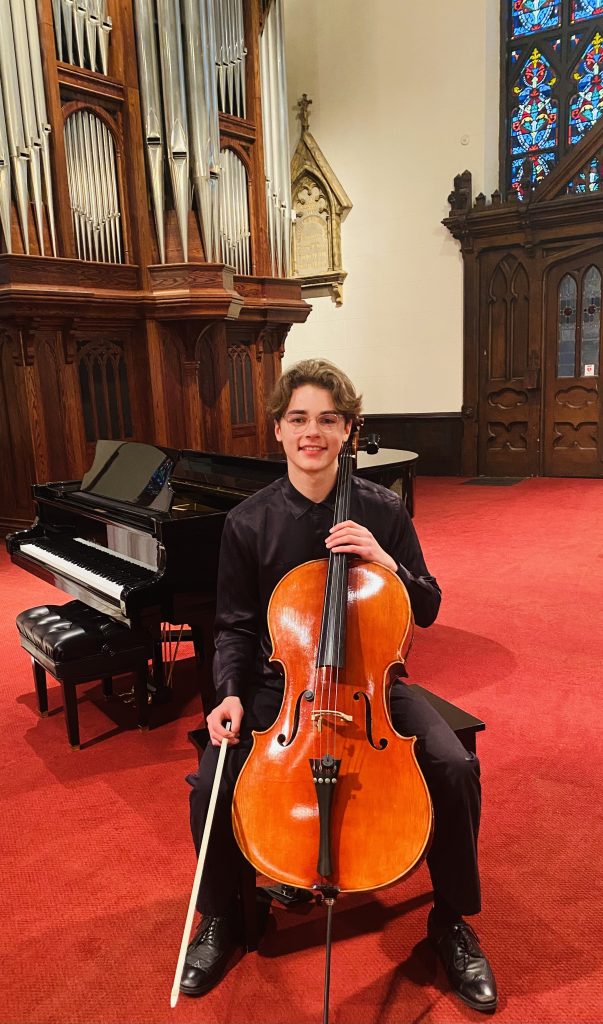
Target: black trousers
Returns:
[450, 771]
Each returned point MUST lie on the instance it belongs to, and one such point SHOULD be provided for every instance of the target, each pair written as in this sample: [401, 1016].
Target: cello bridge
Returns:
[317, 716]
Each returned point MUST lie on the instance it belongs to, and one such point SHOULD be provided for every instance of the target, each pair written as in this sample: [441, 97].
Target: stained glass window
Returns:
[534, 15]
[586, 106]
[591, 324]
[566, 331]
[554, 75]
[534, 124]
[588, 180]
[582, 9]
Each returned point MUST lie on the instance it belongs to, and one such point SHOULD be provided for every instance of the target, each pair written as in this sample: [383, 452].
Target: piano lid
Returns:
[131, 472]
[237, 476]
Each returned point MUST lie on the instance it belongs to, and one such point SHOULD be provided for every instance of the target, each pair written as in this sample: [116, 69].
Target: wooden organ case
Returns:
[144, 230]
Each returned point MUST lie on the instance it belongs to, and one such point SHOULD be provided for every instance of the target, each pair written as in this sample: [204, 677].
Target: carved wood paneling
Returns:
[508, 411]
[16, 454]
[50, 406]
[174, 390]
[212, 384]
[572, 401]
[582, 436]
[522, 413]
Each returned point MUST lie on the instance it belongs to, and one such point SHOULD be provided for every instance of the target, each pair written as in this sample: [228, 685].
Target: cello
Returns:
[331, 797]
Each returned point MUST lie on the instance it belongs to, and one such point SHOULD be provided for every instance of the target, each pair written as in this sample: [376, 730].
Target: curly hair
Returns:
[322, 374]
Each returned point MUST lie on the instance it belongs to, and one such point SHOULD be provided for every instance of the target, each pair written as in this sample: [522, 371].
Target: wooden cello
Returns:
[331, 797]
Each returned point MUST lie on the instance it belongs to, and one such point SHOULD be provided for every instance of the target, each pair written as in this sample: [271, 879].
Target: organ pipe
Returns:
[234, 213]
[174, 104]
[93, 190]
[85, 27]
[192, 64]
[4, 179]
[41, 114]
[276, 139]
[204, 130]
[150, 94]
[18, 150]
[24, 128]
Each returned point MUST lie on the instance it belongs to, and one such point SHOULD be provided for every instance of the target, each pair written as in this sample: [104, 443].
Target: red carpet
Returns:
[95, 852]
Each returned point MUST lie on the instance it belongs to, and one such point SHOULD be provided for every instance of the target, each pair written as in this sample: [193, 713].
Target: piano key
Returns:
[89, 564]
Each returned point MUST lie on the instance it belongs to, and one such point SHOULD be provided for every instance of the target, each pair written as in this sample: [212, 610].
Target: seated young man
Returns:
[285, 524]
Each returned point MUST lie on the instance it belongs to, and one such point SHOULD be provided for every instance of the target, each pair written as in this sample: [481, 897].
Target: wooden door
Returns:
[509, 370]
[572, 401]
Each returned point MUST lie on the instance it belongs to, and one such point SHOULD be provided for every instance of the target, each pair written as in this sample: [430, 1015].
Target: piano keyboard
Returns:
[106, 571]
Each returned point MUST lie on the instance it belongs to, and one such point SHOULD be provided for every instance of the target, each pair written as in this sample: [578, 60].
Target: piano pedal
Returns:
[158, 693]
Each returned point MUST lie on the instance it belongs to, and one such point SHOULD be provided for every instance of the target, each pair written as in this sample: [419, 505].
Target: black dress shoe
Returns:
[208, 955]
[465, 962]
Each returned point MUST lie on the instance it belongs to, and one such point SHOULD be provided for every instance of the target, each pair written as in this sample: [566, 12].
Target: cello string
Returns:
[332, 594]
[326, 639]
[342, 512]
[334, 608]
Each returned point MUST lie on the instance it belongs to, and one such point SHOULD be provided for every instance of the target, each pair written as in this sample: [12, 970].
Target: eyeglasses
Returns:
[326, 421]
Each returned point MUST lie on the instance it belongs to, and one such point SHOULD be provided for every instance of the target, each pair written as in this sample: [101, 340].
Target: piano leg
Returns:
[202, 634]
[40, 683]
[107, 685]
[158, 669]
[141, 692]
[71, 716]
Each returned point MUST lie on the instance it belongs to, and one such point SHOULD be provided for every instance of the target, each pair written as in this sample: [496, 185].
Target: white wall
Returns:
[397, 88]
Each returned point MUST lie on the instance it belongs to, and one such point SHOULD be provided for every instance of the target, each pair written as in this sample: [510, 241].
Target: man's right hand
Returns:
[230, 710]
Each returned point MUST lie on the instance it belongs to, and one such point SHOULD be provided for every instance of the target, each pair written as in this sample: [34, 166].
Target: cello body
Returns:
[377, 825]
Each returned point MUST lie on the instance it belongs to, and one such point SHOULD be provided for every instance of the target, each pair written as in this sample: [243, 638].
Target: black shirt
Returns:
[272, 532]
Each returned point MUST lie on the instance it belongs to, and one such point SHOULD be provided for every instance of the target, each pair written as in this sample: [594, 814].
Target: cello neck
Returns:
[331, 646]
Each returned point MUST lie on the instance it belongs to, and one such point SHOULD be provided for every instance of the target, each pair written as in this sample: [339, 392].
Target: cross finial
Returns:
[303, 115]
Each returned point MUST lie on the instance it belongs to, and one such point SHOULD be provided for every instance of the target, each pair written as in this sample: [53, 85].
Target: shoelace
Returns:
[205, 934]
[467, 940]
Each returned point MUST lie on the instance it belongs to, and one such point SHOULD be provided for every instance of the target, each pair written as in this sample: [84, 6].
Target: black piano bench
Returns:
[77, 644]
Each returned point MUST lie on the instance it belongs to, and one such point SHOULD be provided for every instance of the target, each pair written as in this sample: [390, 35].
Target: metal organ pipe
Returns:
[86, 23]
[150, 94]
[234, 213]
[283, 148]
[24, 128]
[41, 113]
[4, 179]
[230, 55]
[18, 149]
[203, 135]
[93, 191]
[191, 62]
[79, 18]
[31, 131]
[174, 99]
[56, 17]
[276, 139]
[67, 8]
[208, 49]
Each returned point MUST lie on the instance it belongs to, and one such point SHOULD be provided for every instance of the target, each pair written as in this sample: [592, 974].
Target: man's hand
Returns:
[230, 710]
[353, 539]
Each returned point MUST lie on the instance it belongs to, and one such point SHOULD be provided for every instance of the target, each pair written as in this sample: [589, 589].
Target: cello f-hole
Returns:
[369, 722]
[281, 738]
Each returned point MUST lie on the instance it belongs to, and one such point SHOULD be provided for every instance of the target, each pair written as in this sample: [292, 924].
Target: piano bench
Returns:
[77, 644]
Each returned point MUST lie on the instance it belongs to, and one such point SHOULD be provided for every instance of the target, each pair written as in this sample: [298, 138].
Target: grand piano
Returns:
[138, 537]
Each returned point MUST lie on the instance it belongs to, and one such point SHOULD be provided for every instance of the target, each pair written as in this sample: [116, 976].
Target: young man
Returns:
[283, 525]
